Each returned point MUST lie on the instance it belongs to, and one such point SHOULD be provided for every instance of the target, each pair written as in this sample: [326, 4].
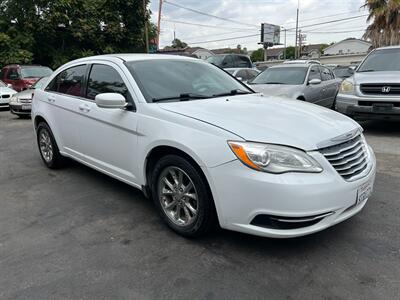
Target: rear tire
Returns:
[182, 196]
[48, 148]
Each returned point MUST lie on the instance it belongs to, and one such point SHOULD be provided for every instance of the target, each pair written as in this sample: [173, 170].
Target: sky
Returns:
[247, 16]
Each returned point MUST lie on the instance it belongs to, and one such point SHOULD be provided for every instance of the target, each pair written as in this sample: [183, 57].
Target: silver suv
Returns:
[373, 92]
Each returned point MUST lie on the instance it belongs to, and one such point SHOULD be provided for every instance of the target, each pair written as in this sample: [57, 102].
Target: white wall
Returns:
[347, 47]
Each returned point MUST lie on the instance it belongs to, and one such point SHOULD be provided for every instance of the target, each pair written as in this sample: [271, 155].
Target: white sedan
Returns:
[5, 94]
[204, 146]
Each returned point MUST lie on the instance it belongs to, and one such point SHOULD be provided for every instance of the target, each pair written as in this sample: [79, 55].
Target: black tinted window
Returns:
[242, 62]
[69, 81]
[12, 74]
[242, 74]
[228, 62]
[105, 79]
[314, 73]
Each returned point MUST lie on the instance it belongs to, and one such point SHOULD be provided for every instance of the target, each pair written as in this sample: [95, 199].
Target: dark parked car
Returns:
[22, 77]
[231, 61]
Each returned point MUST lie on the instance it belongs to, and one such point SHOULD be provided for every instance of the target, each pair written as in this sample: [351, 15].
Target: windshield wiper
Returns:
[232, 93]
[181, 97]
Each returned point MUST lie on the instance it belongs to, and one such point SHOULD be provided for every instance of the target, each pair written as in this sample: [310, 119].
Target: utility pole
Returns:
[300, 42]
[297, 29]
[284, 51]
[146, 32]
[160, 3]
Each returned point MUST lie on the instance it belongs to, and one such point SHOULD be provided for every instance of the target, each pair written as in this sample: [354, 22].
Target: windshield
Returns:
[161, 79]
[284, 75]
[35, 72]
[216, 60]
[381, 60]
[342, 72]
[40, 83]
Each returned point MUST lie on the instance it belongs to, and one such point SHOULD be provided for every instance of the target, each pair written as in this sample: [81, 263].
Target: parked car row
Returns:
[17, 84]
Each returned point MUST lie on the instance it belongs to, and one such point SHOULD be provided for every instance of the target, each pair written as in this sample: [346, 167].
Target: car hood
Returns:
[268, 119]
[282, 90]
[7, 90]
[377, 77]
[25, 94]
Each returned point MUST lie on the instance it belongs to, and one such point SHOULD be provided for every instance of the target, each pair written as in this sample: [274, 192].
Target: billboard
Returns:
[270, 34]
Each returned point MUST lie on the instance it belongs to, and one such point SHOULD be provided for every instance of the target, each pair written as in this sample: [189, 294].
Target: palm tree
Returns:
[385, 27]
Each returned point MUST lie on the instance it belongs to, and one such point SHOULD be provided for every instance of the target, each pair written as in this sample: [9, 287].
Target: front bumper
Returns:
[242, 194]
[20, 108]
[368, 108]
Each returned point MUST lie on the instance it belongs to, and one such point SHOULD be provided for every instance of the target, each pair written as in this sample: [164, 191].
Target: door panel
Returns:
[109, 135]
[313, 93]
[63, 98]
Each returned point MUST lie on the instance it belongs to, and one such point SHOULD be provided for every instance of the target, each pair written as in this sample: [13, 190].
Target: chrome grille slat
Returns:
[341, 150]
[343, 155]
[349, 158]
[338, 163]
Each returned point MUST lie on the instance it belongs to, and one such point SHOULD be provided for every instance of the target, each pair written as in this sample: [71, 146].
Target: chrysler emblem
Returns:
[386, 89]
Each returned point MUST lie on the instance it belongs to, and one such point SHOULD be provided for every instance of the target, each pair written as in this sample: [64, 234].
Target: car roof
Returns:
[300, 65]
[388, 47]
[126, 57]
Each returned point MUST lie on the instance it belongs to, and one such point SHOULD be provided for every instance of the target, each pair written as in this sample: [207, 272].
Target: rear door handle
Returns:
[84, 108]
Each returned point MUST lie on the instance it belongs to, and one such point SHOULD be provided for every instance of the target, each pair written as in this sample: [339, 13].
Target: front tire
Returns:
[48, 147]
[182, 196]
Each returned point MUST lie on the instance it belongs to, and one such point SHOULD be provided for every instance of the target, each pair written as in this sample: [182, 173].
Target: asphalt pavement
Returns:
[78, 234]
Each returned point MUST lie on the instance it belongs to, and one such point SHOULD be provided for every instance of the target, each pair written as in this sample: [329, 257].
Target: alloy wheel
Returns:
[178, 196]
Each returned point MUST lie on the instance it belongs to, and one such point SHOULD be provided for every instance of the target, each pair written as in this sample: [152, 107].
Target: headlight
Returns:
[273, 158]
[14, 99]
[346, 87]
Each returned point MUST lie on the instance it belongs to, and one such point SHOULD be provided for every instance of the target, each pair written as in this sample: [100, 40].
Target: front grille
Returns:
[5, 96]
[388, 89]
[349, 159]
[25, 100]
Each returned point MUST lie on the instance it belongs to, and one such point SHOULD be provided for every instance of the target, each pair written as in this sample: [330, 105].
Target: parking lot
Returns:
[76, 233]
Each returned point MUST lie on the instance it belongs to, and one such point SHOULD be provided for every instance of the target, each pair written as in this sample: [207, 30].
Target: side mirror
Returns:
[110, 100]
[9, 85]
[315, 81]
[352, 69]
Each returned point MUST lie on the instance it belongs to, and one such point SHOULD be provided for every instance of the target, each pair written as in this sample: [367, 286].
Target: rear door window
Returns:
[105, 79]
[314, 73]
[69, 81]
[326, 74]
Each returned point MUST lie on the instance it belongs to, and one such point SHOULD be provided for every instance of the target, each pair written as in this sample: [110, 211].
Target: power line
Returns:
[333, 21]
[227, 39]
[209, 15]
[203, 25]
[327, 16]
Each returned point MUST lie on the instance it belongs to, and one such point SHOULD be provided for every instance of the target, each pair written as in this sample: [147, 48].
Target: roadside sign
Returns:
[270, 34]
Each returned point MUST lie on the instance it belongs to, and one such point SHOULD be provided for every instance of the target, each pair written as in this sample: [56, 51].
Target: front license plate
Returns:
[26, 107]
[364, 192]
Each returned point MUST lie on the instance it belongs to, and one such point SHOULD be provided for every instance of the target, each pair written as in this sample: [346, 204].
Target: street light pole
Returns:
[297, 29]
[284, 51]
[146, 33]
[160, 3]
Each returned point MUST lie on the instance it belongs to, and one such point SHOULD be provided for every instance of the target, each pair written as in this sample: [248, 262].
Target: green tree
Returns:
[257, 55]
[385, 27]
[56, 31]
[290, 52]
[177, 43]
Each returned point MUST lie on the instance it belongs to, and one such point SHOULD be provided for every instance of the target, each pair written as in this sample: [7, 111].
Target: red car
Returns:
[21, 77]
